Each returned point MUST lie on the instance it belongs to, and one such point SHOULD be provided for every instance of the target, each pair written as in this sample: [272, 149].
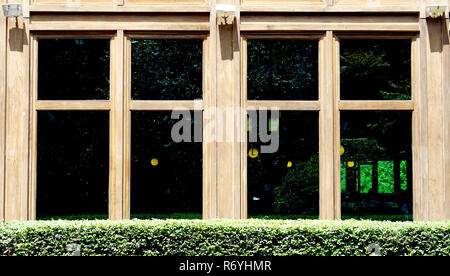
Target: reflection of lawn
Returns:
[192, 216]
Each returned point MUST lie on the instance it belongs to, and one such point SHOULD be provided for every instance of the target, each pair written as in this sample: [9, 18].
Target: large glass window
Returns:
[282, 182]
[166, 171]
[72, 146]
[376, 146]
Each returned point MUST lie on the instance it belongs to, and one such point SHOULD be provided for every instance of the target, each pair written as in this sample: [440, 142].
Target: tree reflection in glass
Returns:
[375, 69]
[166, 69]
[286, 182]
[376, 163]
[282, 69]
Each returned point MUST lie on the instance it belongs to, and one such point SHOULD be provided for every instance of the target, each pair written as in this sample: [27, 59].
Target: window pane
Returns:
[286, 183]
[282, 70]
[72, 164]
[376, 164]
[73, 69]
[375, 69]
[166, 69]
[166, 177]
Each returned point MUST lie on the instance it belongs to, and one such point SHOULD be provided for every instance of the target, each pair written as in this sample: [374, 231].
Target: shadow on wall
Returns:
[17, 36]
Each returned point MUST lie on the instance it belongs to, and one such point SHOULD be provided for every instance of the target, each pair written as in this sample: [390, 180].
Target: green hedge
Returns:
[224, 238]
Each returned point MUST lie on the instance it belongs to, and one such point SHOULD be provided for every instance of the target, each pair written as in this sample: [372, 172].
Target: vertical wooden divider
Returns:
[326, 126]
[17, 120]
[446, 77]
[436, 188]
[127, 129]
[337, 129]
[228, 122]
[117, 128]
[2, 111]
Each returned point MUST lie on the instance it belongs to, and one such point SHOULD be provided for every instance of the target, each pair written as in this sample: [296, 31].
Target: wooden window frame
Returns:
[163, 105]
[329, 106]
[119, 106]
[285, 105]
[376, 105]
[62, 105]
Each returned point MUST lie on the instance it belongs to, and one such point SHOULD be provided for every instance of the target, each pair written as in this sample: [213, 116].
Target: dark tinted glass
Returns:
[282, 70]
[73, 69]
[166, 177]
[72, 164]
[376, 166]
[286, 182]
[375, 69]
[166, 69]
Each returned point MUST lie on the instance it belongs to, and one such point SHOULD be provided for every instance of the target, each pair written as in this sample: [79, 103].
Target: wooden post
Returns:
[17, 120]
[2, 111]
[228, 104]
[116, 177]
[435, 197]
[326, 144]
[446, 77]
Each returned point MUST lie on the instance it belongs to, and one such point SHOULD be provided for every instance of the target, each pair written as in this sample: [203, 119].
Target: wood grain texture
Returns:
[420, 128]
[209, 144]
[284, 105]
[330, 5]
[326, 124]
[228, 195]
[336, 128]
[2, 112]
[446, 77]
[17, 121]
[73, 105]
[376, 105]
[105, 22]
[33, 127]
[330, 22]
[436, 149]
[116, 141]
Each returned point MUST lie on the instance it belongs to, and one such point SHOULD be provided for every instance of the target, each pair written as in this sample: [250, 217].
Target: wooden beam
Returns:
[164, 105]
[285, 105]
[209, 144]
[17, 121]
[337, 128]
[446, 78]
[105, 22]
[420, 127]
[326, 124]
[330, 22]
[89, 8]
[376, 105]
[73, 105]
[116, 157]
[228, 99]
[436, 150]
[2, 111]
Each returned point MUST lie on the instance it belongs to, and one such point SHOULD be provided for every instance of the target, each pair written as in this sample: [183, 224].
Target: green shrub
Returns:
[224, 238]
